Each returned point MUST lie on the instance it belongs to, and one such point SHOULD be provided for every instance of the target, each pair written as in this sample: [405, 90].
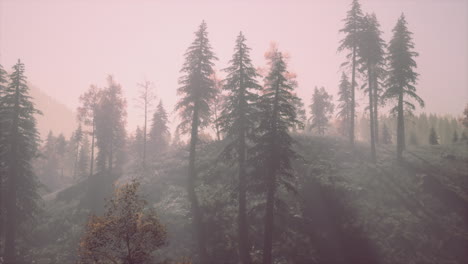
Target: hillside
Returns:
[345, 209]
[56, 117]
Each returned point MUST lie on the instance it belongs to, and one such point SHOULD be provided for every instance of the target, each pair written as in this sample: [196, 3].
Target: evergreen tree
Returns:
[137, 147]
[273, 144]
[76, 139]
[110, 127]
[455, 137]
[237, 122]
[351, 29]
[402, 78]
[20, 139]
[344, 106]
[321, 110]
[159, 134]
[371, 57]
[3, 84]
[218, 102]
[197, 90]
[386, 136]
[433, 137]
[87, 114]
[83, 159]
[464, 119]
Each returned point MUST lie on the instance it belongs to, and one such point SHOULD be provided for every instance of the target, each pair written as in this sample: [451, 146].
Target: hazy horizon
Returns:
[69, 45]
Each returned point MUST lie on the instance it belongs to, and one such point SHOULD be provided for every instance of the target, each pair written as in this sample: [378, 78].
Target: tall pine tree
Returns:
[3, 84]
[371, 57]
[197, 89]
[87, 114]
[20, 139]
[351, 29]
[344, 106]
[237, 122]
[159, 135]
[402, 78]
[273, 144]
[321, 109]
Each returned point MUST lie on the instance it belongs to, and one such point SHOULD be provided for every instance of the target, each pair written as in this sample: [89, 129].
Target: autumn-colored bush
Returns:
[128, 232]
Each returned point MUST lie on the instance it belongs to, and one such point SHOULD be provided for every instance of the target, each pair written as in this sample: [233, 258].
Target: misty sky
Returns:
[68, 45]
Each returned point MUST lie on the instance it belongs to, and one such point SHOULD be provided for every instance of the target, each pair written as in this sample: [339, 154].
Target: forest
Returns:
[251, 172]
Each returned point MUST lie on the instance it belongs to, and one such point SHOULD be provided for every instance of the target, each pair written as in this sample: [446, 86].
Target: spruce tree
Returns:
[87, 114]
[237, 122]
[20, 139]
[344, 106]
[351, 29]
[273, 144]
[321, 110]
[159, 135]
[3, 84]
[386, 136]
[217, 105]
[433, 137]
[371, 57]
[197, 90]
[110, 127]
[83, 158]
[402, 78]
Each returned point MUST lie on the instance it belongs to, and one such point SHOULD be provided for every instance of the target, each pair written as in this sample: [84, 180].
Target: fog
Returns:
[237, 132]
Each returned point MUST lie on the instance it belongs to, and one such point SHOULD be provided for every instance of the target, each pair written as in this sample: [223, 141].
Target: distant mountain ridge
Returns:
[56, 117]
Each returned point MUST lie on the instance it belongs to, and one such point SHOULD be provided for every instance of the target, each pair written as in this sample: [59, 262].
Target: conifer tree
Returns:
[3, 84]
[433, 137]
[402, 78]
[386, 136]
[159, 136]
[110, 127]
[218, 102]
[351, 29]
[344, 106]
[83, 158]
[273, 144]
[87, 114]
[371, 57]
[237, 122]
[76, 140]
[197, 90]
[20, 139]
[321, 110]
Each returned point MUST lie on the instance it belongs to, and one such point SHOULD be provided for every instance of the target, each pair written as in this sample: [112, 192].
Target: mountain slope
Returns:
[56, 117]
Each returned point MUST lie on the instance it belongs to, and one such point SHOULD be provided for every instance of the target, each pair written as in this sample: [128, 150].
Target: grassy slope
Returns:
[409, 213]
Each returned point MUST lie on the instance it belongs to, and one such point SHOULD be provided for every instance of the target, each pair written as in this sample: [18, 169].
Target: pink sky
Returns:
[68, 45]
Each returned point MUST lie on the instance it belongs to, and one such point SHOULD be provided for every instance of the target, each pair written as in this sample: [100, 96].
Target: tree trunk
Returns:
[243, 228]
[376, 108]
[269, 218]
[194, 204]
[371, 113]
[353, 81]
[11, 207]
[144, 133]
[91, 166]
[271, 189]
[400, 127]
